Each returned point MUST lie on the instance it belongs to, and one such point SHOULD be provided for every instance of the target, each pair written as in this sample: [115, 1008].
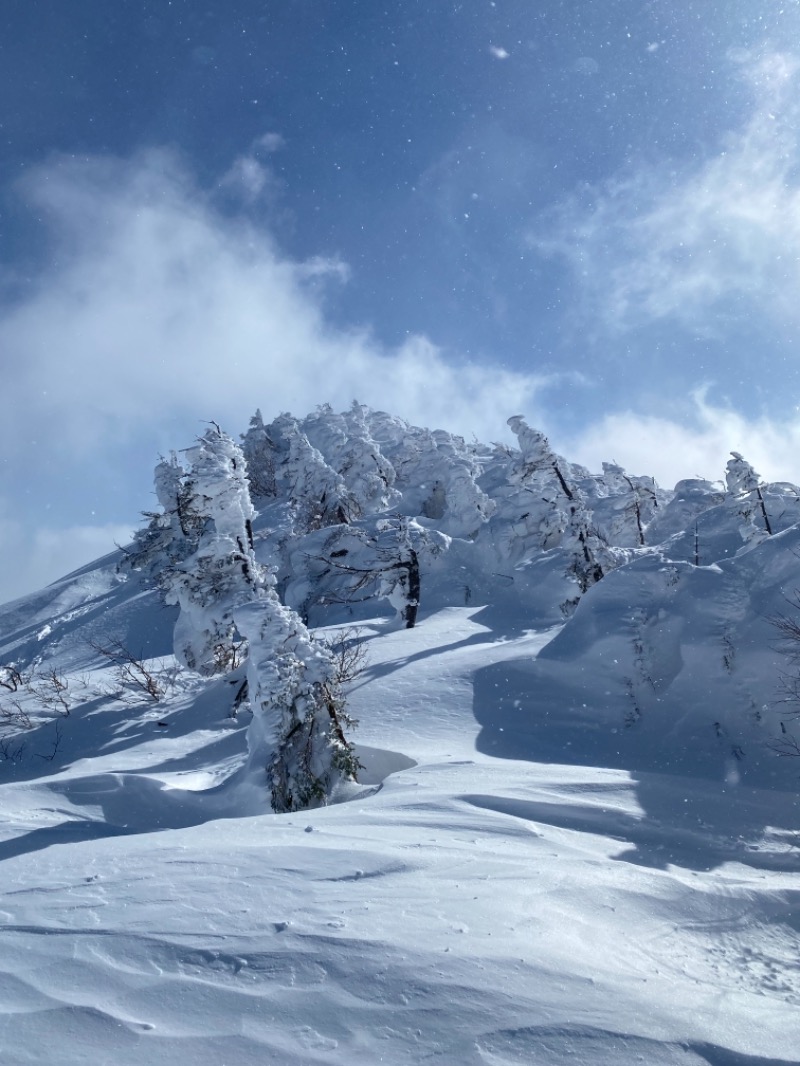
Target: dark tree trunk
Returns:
[767, 524]
[411, 567]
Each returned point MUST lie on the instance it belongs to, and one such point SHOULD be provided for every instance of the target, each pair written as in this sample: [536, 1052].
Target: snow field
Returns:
[474, 910]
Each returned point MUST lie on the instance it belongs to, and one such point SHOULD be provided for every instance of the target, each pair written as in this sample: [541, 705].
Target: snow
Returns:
[569, 843]
[468, 909]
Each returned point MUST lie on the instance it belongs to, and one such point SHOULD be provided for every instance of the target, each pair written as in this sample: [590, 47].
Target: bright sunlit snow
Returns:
[573, 839]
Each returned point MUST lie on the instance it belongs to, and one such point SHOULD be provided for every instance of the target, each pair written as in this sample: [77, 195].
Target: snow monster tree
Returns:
[228, 601]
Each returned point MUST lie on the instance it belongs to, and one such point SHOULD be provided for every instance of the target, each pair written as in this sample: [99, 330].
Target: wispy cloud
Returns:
[249, 176]
[160, 306]
[659, 242]
[695, 445]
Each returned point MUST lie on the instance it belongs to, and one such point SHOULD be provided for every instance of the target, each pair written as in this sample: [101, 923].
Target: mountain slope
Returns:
[473, 910]
[569, 843]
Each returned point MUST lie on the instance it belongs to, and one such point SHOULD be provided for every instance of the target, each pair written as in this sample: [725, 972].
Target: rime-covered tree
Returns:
[297, 732]
[349, 565]
[536, 457]
[346, 445]
[629, 505]
[400, 578]
[746, 488]
[590, 558]
[171, 533]
[368, 474]
[740, 477]
[226, 599]
[541, 472]
[221, 572]
[437, 477]
[534, 497]
[259, 453]
[317, 492]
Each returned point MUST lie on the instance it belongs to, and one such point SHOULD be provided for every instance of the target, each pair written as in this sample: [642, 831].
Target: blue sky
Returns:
[589, 213]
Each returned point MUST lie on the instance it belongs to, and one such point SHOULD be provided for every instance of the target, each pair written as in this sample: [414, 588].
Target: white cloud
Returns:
[158, 307]
[248, 177]
[698, 445]
[268, 142]
[657, 243]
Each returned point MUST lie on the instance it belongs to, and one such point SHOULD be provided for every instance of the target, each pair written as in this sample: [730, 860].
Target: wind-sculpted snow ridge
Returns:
[571, 838]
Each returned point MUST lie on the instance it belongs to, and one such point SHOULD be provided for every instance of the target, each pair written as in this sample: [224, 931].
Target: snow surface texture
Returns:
[570, 843]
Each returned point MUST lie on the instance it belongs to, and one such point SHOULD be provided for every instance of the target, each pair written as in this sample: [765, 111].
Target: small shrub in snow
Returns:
[51, 689]
[135, 673]
[14, 718]
[10, 678]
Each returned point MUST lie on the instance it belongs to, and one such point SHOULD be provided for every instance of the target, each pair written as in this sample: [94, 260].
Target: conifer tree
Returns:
[540, 468]
[222, 571]
[259, 453]
[746, 488]
[228, 601]
[318, 493]
[171, 533]
[299, 718]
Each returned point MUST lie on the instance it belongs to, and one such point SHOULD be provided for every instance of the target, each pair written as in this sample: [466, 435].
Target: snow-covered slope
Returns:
[570, 843]
[472, 909]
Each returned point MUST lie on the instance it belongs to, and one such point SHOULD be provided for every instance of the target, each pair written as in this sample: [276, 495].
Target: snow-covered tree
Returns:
[369, 475]
[536, 457]
[540, 470]
[221, 572]
[400, 578]
[625, 507]
[350, 565]
[328, 432]
[589, 556]
[746, 488]
[228, 601]
[318, 493]
[346, 444]
[297, 731]
[171, 533]
[259, 453]
[437, 477]
[533, 496]
[740, 477]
